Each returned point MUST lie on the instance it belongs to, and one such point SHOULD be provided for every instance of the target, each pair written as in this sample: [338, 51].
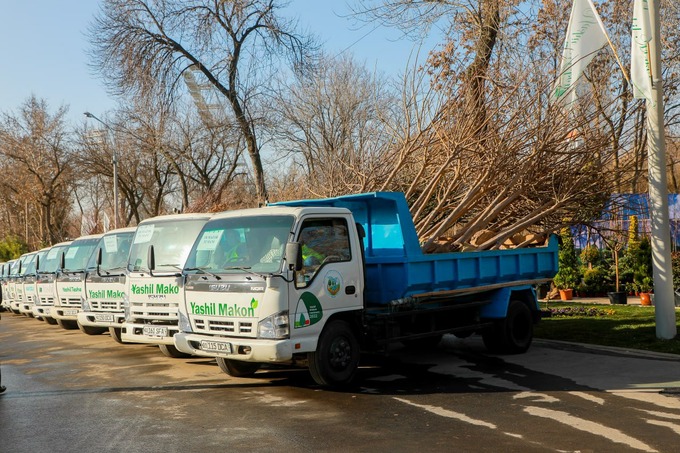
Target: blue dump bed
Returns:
[397, 268]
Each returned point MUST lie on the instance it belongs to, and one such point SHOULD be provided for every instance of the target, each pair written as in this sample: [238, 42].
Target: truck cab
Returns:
[30, 278]
[6, 267]
[159, 249]
[70, 280]
[45, 284]
[16, 282]
[105, 284]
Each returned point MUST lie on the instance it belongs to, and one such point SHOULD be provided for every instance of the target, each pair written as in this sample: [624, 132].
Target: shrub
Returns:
[596, 280]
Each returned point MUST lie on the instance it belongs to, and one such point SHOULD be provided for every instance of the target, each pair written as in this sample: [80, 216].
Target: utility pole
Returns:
[664, 300]
[115, 171]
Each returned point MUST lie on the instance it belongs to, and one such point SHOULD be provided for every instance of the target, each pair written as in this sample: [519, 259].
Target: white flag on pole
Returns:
[641, 35]
[585, 36]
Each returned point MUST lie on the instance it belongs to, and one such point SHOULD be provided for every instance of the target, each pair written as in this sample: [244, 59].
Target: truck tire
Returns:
[117, 334]
[67, 324]
[512, 335]
[237, 368]
[336, 359]
[92, 330]
[170, 350]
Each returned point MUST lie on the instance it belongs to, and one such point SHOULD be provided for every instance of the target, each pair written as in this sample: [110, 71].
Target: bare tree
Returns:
[142, 46]
[37, 144]
[331, 126]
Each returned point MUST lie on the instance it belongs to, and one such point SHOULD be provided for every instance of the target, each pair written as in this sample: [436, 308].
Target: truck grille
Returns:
[106, 305]
[235, 327]
[73, 302]
[47, 301]
[156, 311]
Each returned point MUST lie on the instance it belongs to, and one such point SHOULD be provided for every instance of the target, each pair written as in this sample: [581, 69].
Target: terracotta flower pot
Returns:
[566, 294]
[645, 299]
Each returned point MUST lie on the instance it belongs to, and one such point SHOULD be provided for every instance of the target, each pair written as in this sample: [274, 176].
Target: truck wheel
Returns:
[512, 335]
[92, 330]
[117, 334]
[170, 350]
[237, 368]
[67, 324]
[336, 358]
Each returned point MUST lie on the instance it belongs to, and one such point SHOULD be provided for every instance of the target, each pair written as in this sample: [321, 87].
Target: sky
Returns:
[44, 48]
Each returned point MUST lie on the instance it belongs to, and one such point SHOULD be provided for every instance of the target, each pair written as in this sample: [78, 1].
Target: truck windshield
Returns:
[21, 262]
[30, 267]
[78, 253]
[51, 262]
[115, 250]
[28, 264]
[241, 244]
[171, 240]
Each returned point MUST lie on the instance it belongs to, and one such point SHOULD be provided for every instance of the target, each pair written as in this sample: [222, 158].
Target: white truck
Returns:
[45, 283]
[16, 286]
[6, 272]
[29, 281]
[70, 280]
[155, 285]
[320, 281]
[105, 284]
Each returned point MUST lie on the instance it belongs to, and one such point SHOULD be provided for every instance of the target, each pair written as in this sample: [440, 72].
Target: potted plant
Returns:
[614, 237]
[643, 276]
[568, 276]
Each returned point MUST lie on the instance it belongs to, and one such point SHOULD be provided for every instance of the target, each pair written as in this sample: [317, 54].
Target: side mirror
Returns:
[37, 264]
[99, 261]
[294, 256]
[62, 261]
[151, 259]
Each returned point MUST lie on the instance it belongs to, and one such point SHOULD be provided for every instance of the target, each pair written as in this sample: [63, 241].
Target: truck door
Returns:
[330, 278]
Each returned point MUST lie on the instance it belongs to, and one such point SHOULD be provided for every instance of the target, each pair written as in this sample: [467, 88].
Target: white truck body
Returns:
[16, 287]
[46, 282]
[106, 281]
[155, 289]
[70, 281]
[29, 282]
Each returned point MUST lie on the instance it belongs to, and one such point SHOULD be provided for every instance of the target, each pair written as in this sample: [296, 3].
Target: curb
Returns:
[639, 353]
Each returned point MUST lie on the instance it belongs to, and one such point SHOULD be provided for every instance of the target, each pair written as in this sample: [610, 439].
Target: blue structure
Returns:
[626, 206]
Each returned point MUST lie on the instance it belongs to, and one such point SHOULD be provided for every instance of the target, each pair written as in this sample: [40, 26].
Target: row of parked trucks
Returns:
[312, 282]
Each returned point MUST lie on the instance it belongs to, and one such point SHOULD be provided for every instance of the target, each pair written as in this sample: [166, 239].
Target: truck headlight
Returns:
[126, 306]
[184, 324]
[275, 327]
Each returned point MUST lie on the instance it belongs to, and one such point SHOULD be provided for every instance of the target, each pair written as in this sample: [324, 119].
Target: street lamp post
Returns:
[115, 172]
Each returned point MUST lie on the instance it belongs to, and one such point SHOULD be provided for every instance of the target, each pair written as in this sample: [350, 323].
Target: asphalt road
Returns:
[71, 392]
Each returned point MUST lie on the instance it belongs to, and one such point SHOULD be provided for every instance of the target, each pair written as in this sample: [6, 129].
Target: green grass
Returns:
[624, 326]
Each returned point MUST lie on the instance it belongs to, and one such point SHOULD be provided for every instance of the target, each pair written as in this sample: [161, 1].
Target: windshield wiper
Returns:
[108, 271]
[204, 270]
[244, 269]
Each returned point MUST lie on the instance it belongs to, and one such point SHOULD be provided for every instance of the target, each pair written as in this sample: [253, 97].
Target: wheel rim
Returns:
[340, 353]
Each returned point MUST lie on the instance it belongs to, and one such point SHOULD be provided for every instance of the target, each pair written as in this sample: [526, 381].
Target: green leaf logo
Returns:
[253, 303]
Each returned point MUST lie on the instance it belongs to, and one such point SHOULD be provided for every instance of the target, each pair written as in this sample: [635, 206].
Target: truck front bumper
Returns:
[65, 313]
[101, 319]
[246, 349]
[147, 333]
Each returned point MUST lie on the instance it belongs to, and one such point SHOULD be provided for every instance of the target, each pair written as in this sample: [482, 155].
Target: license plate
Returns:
[103, 317]
[71, 312]
[155, 331]
[215, 346]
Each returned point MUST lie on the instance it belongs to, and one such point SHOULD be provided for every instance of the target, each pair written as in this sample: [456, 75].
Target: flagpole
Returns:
[664, 301]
